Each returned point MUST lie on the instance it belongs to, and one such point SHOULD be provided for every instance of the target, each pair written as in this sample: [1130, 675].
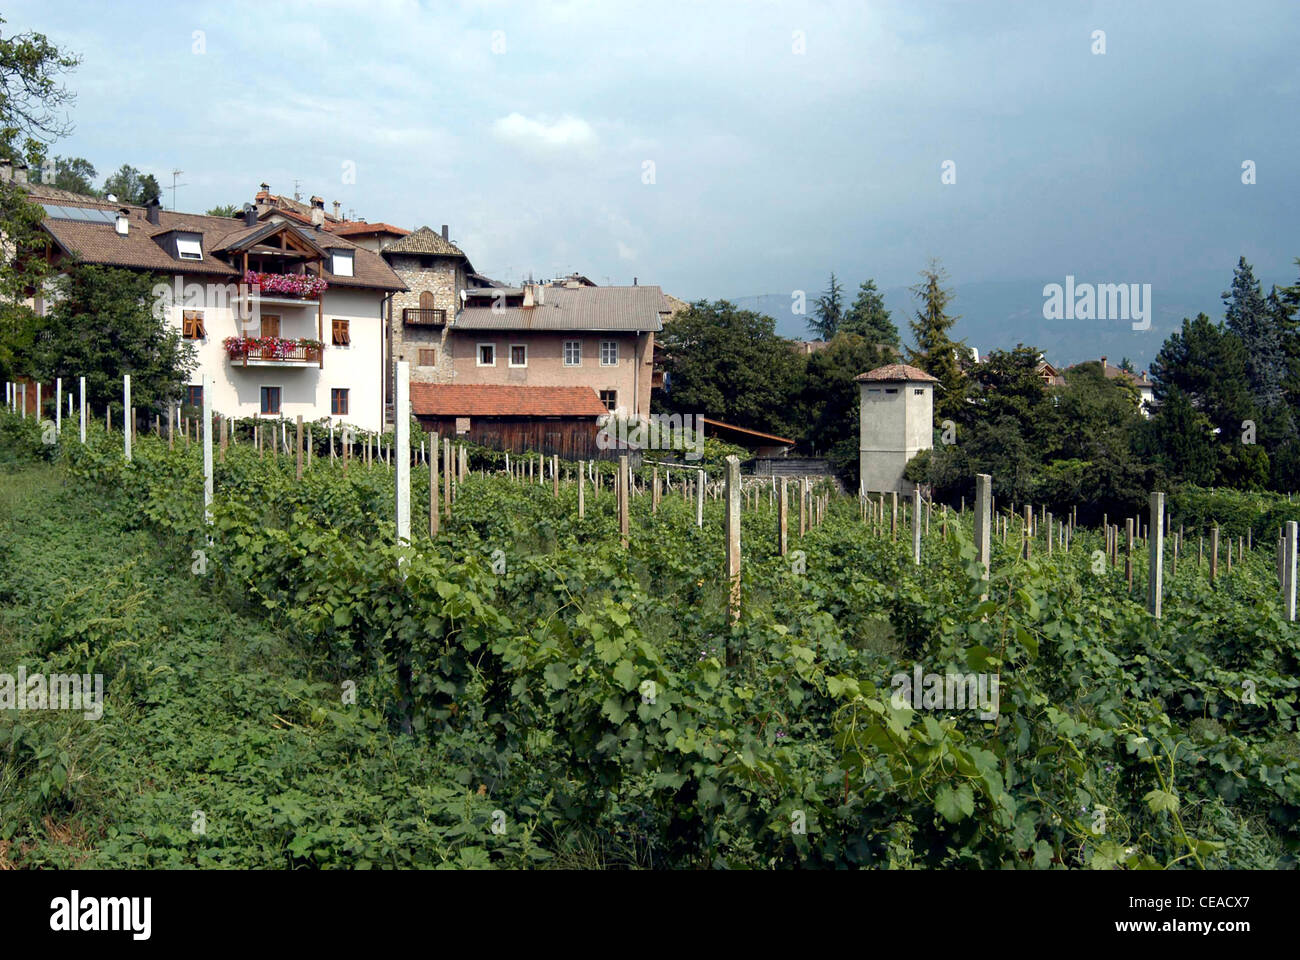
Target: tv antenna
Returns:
[175, 174]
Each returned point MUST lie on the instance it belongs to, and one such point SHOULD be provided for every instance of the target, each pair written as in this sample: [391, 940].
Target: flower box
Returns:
[301, 285]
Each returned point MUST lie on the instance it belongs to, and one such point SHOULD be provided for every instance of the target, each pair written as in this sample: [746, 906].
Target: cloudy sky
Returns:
[727, 149]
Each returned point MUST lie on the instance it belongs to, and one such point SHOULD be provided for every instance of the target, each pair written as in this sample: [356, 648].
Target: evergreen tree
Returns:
[828, 312]
[936, 352]
[1248, 316]
[868, 317]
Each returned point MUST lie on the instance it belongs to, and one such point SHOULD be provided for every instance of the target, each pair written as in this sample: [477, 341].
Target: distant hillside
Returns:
[999, 314]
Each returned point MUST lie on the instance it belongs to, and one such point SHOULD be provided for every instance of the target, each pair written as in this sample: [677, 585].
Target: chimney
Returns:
[444, 231]
[250, 215]
[528, 296]
[20, 172]
[6, 170]
[151, 211]
[317, 216]
[634, 281]
[337, 205]
[123, 225]
[318, 202]
[266, 187]
[1103, 363]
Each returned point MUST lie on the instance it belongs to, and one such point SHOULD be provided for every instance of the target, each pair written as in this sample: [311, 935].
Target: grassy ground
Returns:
[218, 746]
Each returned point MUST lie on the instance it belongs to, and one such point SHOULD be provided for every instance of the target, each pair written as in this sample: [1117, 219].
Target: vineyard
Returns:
[292, 687]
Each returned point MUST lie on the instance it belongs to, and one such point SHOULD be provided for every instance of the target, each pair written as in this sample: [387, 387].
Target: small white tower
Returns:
[897, 416]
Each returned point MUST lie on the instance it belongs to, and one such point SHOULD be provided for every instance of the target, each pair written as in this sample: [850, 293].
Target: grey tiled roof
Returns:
[638, 308]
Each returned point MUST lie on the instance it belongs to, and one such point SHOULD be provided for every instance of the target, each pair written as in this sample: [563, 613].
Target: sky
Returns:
[732, 150]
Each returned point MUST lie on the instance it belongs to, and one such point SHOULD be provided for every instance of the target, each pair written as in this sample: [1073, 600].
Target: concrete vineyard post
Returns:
[782, 513]
[733, 537]
[1128, 555]
[916, 526]
[297, 440]
[1289, 570]
[1156, 546]
[208, 387]
[83, 410]
[700, 479]
[126, 416]
[582, 491]
[622, 499]
[401, 451]
[983, 513]
[1214, 554]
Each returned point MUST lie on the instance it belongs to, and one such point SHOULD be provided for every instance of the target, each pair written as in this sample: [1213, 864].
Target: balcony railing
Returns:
[273, 351]
[419, 316]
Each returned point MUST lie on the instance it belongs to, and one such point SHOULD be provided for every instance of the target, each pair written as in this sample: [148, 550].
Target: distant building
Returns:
[897, 423]
[1146, 387]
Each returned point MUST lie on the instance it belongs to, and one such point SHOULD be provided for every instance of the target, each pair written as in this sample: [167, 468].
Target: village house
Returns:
[519, 346]
[287, 318]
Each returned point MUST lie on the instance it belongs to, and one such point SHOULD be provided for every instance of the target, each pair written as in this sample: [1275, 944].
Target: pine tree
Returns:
[1248, 316]
[868, 317]
[936, 352]
[829, 311]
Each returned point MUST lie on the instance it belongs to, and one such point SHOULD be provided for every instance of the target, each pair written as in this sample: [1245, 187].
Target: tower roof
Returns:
[897, 371]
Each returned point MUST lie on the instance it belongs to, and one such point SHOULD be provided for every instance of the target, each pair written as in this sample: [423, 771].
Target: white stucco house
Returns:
[286, 318]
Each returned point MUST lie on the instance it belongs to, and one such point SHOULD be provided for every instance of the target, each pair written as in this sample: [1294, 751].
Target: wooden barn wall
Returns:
[570, 439]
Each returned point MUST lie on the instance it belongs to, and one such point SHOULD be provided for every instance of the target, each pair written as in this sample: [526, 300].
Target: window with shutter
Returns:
[270, 325]
[428, 358]
[192, 325]
[342, 333]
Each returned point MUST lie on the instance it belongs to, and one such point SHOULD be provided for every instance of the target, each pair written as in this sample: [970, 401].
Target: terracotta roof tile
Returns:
[482, 400]
[100, 243]
[897, 371]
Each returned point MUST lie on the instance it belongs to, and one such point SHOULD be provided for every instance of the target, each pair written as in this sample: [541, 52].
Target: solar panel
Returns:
[84, 214]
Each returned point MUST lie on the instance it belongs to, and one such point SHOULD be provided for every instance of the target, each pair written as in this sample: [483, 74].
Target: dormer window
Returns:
[188, 246]
[341, 264]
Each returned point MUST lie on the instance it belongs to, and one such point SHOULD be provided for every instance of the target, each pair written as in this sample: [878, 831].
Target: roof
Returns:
[897, 371]
[718, 424]
[475, 400]
[352, 228]
[630, 309]
[424, 241]
[100, 243]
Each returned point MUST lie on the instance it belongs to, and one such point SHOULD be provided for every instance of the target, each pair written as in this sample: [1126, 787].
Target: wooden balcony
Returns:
[270, 352]
[422, 317]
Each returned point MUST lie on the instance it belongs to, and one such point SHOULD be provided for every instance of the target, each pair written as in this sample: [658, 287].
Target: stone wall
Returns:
[443, 277]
